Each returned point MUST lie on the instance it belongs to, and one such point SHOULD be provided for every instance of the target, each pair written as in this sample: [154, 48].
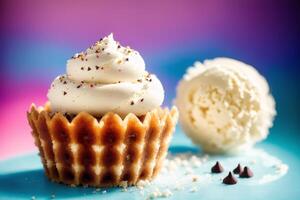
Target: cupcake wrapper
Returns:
[102, 152]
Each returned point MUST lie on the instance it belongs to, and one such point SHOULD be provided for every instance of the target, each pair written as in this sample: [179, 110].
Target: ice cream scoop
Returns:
[225, 105]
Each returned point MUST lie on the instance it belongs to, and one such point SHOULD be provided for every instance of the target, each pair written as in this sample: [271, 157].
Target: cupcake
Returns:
[103, 124]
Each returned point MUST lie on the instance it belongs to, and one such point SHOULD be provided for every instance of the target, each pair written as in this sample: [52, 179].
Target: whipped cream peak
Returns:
[106, 77]
[116, 63]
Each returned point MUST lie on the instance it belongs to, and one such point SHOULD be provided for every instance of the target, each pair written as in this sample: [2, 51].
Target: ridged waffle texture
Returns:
[106, 151]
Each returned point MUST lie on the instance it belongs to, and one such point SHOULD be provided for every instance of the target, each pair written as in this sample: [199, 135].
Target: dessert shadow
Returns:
[34, 183]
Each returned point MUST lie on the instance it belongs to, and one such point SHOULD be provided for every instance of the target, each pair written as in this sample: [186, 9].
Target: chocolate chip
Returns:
[230, 179]
[97, 67]
[89, 69]
[217, 168]
[246, 173]
[238, 169]
[65, 92]
[131, 103]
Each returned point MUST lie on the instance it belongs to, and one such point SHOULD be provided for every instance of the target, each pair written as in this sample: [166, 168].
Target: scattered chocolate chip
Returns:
[131, 103]
[97, 67]
[91, 85]
[119, 46]
[238, 169]
[217, 168]
[89, 69]
[127, 59]
[102, 68]
[230, 179]
[142, 99]
[97, 51]
[78, 86]
[65, 92]
[246, 173]
[86, 59]
[102, 49]
[65, 82]
[81, 68]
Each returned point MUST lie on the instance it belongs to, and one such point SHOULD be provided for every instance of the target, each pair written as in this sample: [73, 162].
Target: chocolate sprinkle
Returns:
[89, 69]
[230, 179]
[238, 169]
[246, 173]
[65, 92]
[78, 86]
[142, 99]
[97, 67]
[131, 103]
[81, 68]
[217, 168]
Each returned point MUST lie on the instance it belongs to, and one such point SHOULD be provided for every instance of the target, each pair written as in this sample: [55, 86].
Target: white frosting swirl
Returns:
[106, 77]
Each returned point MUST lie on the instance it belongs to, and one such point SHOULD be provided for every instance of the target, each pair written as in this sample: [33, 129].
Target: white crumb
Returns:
[193, 189]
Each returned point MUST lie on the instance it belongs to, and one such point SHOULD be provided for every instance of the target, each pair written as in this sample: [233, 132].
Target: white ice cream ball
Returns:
[225, 105]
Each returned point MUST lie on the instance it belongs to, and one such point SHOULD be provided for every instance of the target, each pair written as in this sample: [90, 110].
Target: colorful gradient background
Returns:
[37, 37]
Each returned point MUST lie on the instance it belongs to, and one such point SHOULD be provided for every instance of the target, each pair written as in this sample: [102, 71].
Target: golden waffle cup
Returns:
[102, 152]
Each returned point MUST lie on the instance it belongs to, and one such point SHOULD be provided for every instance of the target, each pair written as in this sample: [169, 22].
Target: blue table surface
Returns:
[14, 174]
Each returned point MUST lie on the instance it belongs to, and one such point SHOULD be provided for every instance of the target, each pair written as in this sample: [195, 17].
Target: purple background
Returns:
[37, 37]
